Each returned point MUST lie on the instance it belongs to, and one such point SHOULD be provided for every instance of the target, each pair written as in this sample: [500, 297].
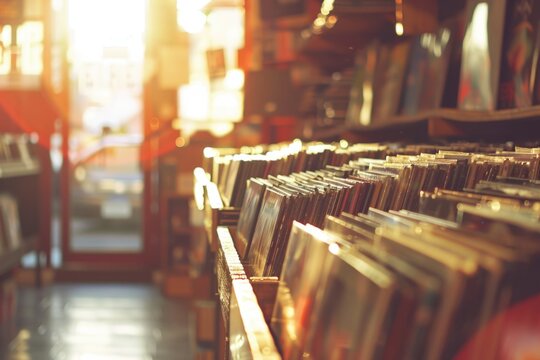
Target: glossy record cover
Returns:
[249, 213]
[520, 55]
[481, 54]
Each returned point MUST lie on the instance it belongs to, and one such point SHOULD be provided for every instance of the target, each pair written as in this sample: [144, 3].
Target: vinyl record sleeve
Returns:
[266, 228]
[388, 95]
[249, 213]
[519, 61]
[481, 54]
[449, 269]
[408, 333]
[307, 253]
[354, 300]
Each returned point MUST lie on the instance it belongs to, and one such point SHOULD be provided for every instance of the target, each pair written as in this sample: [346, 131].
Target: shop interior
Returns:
[166, 165]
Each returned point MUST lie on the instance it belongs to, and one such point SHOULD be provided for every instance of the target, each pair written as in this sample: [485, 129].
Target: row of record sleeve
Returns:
[484, 59]
[418, 255]
[270, 205]
[386, 285]
[468, 162]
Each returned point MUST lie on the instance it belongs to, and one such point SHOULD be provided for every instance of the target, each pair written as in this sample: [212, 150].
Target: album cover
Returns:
[416, 72]
[483, 287]
[388, 97]
[449, 269]
[361, 95]
[355, 299]
[518, 61]
[439, 46]
[266, 229]
[415, 306]
[216, 63]
[481, 54]
[307, 250]
[249, 213]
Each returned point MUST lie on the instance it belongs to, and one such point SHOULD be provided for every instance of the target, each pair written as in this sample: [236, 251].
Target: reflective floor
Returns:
[105, 322]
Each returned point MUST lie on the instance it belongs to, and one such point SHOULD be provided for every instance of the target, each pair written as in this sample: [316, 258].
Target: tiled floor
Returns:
[102, 322]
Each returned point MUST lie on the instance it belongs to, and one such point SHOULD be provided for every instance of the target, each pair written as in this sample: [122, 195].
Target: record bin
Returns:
[245, 302]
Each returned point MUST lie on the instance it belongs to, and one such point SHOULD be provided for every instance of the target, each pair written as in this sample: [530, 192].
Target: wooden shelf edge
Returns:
[11, 170]
[250, 336]
[438, 115]
[477, 116]
[214, 198]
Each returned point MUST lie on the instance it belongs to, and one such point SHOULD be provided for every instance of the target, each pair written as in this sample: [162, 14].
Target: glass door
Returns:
[106, 182]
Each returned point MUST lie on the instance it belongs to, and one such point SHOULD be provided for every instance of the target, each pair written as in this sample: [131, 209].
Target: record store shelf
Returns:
[216, 214]
[446, 123]
[245, 302]
[14, 174]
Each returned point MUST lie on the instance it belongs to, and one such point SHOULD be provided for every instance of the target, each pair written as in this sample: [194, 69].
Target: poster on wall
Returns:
[481, 55]
[215, 59]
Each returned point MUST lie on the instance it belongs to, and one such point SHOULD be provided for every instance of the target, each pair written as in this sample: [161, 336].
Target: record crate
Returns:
[259, 294]
[245, 302]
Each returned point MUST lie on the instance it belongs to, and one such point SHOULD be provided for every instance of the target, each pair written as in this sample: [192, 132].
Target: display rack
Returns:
[20, 178]
[329, 36]
[332, 47]
[444, 123]
[245, 302]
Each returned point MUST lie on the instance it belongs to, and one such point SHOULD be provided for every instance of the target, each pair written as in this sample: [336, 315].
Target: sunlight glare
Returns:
[103, 23]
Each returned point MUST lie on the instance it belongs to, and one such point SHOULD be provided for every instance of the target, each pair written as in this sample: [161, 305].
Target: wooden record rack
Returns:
[245, 302]
[216, 214]
[16, 178]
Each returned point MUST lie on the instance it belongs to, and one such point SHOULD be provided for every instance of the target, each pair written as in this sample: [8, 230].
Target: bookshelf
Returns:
[20, 178]
[330, 40]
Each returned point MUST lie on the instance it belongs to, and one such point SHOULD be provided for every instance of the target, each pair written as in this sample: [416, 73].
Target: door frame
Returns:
[148, 257]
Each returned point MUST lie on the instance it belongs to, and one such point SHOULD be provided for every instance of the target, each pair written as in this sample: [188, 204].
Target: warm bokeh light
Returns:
[194, 102]
[234, 80]
[190, 16]
[213, 100]
[399, 29]
[191, 21]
